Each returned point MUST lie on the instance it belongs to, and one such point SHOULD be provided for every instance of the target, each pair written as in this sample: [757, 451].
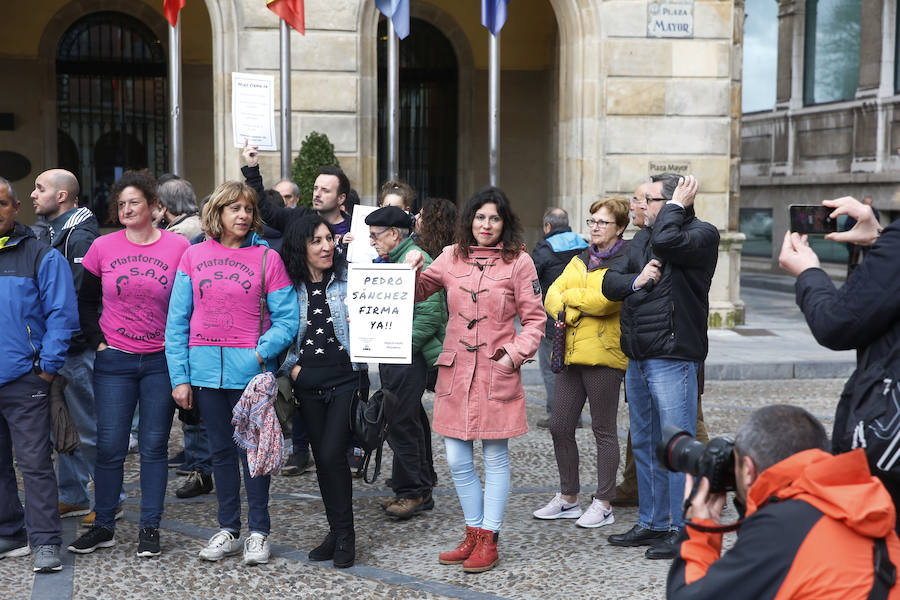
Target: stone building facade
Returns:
[829, 125]
[591, 102]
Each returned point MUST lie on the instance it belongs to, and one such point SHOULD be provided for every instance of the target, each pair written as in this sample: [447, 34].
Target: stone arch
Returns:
[448, 26]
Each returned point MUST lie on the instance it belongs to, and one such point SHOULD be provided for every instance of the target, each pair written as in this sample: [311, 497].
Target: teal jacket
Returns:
[429, 316]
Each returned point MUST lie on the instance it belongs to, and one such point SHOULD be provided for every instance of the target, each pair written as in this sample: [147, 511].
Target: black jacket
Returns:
[277, 217]
[76, 230]
[863, 315]
[669, 320]
[551, 256]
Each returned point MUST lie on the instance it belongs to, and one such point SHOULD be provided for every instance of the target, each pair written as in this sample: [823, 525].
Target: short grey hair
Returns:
[403, 231]
[556, 218]
[178, 196]
[773, 433]
[294, 186]
[11, 190]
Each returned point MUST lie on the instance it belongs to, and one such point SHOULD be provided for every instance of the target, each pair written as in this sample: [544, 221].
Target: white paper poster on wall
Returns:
[670, 19]
[253, 110]
[380, 302]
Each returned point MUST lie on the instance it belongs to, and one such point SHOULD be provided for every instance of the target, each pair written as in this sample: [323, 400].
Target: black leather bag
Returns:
[368, 423]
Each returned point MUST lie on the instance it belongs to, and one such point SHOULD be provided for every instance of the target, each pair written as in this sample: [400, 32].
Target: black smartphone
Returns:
[811, 218]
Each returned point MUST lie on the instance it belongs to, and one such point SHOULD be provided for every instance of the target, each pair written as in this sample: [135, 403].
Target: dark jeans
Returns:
[299, 439]
[215, 409]
[121, 381]
[327, 418]
[25, 426]
[413, 470]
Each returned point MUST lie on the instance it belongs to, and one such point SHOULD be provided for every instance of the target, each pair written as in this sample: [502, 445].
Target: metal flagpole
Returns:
[285, 100]
[176, 122]
[494, 108]
[393, 92]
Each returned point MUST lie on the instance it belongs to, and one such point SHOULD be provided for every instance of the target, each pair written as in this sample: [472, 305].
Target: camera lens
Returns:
[679, 451]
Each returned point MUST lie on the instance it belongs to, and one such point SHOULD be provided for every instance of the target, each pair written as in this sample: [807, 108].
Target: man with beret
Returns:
[409, 433]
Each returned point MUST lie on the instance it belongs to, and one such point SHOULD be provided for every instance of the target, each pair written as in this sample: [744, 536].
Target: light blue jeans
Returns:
[660, 392]
[74, 471]
[482, 509]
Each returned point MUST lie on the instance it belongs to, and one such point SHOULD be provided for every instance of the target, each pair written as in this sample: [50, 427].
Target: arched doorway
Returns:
[110, 101]
[429, 107]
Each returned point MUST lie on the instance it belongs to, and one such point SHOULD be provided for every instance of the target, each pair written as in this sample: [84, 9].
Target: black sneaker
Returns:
[177, 460]
[298, 464]
[196, 484]
[148, 542]
[95, 537]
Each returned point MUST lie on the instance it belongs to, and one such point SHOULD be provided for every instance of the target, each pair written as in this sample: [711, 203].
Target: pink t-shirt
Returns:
[225, 283]
[137, 282]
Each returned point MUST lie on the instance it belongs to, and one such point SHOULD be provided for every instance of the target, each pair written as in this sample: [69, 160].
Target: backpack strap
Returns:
[885, 572]
[262, 300]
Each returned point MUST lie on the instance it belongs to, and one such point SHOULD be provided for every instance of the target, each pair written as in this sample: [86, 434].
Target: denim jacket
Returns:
[336, 296]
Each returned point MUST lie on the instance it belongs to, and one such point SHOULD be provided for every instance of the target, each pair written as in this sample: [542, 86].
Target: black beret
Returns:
[389, 216]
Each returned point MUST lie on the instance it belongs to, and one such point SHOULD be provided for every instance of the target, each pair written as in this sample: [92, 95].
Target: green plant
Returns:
[315, 151]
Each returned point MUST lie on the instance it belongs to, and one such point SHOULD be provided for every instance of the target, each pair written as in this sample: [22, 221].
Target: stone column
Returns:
[726, 309]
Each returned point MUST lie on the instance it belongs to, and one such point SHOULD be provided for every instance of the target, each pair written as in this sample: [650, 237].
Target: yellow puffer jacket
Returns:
[592, 321]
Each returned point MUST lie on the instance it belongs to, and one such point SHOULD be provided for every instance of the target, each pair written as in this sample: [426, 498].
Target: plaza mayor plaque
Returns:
[670, 19]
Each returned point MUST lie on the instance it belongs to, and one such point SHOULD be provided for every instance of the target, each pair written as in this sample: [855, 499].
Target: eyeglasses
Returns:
[591, 223]
[649, 199]
[374, 234]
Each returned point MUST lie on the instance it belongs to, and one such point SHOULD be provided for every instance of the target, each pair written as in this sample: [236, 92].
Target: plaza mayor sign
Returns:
[670, 19]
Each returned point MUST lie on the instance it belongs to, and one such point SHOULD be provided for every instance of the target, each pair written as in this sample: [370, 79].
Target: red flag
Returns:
[291, 11]
[171, 9]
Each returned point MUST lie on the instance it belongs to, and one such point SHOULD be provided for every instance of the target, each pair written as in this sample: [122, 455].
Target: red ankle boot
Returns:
[484, 557]
[462, 552]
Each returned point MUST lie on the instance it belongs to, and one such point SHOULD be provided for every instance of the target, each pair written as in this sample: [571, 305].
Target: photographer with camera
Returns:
[813, 525]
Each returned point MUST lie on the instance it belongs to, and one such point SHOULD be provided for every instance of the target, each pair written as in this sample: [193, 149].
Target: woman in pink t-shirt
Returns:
[130, 273]
[216, 341]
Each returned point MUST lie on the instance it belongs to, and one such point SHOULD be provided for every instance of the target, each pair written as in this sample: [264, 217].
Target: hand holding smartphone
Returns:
[811, 219]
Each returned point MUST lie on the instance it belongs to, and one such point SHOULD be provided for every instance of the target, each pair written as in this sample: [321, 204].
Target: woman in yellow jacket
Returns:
[595, 367]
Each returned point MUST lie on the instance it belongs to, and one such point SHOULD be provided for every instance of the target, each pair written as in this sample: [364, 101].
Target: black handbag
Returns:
[368, 423]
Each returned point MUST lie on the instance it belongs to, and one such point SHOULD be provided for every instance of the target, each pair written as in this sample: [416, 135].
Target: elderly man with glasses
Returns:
[663, 281]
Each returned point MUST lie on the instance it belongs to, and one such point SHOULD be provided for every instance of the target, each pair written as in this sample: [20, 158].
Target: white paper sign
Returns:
[253, 110]
[380, 302]
[360, 250]
[670, 19]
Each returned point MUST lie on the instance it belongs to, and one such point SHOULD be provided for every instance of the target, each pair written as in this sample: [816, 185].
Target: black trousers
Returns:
[327, 419]
[409, 433]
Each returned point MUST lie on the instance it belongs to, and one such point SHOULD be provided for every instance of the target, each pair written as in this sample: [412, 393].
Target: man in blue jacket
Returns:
[36, 299]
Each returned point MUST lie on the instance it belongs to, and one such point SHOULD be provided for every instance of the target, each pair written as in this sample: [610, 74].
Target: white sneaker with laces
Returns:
[256, 549]
[596, 515]
[220, 545]
[558, 509]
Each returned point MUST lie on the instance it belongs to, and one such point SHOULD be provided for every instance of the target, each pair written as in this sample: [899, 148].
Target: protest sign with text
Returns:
[380, 302]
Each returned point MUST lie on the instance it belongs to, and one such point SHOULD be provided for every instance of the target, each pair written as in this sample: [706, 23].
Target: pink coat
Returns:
[475, 396]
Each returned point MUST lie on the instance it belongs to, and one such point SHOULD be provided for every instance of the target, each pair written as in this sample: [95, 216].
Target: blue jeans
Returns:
[196, 448]
[120, 379]
[481, 510]
[74, 471]
[215, 409]
[660, 392]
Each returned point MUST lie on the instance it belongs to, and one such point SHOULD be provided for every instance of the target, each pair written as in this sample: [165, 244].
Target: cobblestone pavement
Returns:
[539, 559]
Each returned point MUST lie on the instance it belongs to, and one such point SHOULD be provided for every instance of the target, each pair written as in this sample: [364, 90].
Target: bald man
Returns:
[72, 230]
[290, 191]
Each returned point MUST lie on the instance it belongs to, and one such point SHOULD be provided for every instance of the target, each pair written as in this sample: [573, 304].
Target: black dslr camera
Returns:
[678, 451]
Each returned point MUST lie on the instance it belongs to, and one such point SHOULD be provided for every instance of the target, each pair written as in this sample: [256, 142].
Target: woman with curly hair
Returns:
[435, 225]
[489, 280]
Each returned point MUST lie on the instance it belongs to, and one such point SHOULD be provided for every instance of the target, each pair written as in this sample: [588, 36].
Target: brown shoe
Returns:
[67, 510]
[88, 521]
[404, 508]
[623, 498]
[385, 502]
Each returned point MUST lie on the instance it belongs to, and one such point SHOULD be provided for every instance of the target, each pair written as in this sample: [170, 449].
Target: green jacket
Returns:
[429, 316]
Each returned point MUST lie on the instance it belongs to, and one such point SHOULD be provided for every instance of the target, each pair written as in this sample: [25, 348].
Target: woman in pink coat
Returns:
[489, 280]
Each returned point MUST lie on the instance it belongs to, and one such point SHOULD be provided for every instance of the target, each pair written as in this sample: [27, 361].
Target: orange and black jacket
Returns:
[809, 533]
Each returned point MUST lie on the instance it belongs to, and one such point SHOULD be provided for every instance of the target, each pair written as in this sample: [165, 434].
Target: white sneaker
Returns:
[596, 515]
[221, 544]
[256, 549]
[558, 509]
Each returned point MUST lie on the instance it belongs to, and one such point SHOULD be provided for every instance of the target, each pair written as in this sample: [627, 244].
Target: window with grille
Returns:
[110, 103]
